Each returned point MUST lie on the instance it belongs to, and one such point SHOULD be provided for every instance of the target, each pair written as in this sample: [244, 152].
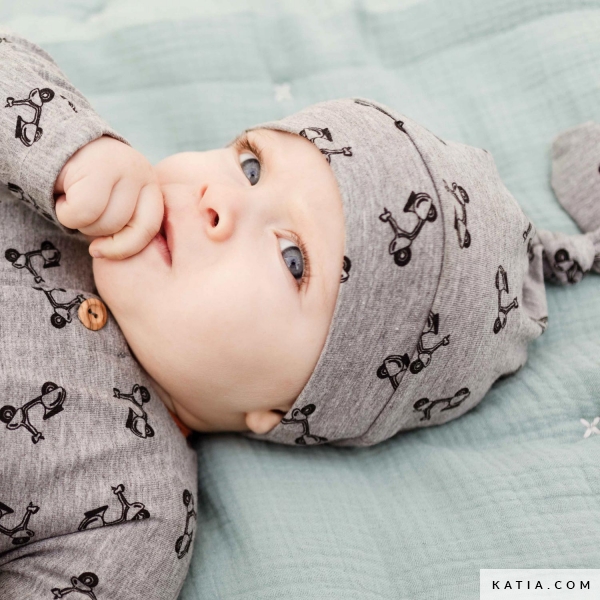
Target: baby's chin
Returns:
[117, 283]
[130, 279]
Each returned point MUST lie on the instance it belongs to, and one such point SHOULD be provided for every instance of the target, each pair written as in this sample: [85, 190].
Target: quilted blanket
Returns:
[511, 484]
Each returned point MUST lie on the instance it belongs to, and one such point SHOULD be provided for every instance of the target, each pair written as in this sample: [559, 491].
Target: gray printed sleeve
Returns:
[44, 120]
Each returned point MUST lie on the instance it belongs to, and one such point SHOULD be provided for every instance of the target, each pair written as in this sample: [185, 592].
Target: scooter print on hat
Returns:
[134, 511]
[20, 534]
[183, 543]
[460, 214]
[314, 133]
[425, 354]
[30, 131]
[52, 399]
[84, 584]
[422, 206]
[530, 255]
[49, 254]
[137, 419]
[392, 366]
[300, 417]
[502, 286]
[425, 405]
[346, 270]
[24, 197]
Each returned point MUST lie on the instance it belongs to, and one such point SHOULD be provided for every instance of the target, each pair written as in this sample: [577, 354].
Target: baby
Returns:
[336, 276]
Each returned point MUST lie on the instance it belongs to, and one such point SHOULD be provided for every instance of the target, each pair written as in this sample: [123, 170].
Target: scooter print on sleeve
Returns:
[30, 132]
[62, 310]
[425, 354]
[52, 399]
[502, 286]
[183, 543]
[24, 197]
[422, 206]
[49, 254]
[460, 214]
[300, 417]
[425, 405]
[20, 533]
[314, 133]
[84, 584]
[134, 511]
[137, 419]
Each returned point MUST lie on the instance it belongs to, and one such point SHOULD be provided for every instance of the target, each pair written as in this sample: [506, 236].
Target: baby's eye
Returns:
[251, 167]
[293, 258]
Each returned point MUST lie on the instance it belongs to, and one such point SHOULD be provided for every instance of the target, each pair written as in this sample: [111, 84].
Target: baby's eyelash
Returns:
[306, 273]
[243, 143]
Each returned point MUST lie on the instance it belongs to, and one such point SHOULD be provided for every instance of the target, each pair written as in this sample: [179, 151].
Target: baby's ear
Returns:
[262, 421]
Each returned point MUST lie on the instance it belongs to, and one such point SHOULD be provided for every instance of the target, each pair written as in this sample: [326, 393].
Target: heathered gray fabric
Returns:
[97, 484]
[418, 339]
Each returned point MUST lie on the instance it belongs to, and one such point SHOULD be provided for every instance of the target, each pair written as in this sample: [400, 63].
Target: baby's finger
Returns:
[84, 202]
[137, 234]
[119, 212]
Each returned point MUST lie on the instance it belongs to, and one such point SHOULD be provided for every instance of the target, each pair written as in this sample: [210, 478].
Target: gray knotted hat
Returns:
[443, 280]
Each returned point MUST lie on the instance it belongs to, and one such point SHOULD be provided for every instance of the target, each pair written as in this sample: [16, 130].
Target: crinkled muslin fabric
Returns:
[442, 287]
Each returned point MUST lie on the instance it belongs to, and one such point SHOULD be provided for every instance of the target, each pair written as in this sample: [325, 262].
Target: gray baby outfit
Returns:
[97, 483]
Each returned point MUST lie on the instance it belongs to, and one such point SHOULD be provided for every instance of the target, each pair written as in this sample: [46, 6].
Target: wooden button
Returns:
[93, 314]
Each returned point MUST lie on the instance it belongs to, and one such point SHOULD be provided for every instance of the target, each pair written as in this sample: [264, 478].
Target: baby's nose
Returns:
[221, 209]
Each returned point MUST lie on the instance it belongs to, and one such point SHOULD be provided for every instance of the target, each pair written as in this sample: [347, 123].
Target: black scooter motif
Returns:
[314, 133]
[20, 533]
[84, 584]
[422, 206]
[530, 241]
[300, 416]
[52, 399]
[62, 311]
[49, 254]
[502, 286]
[460, 214]
[24, 197]
[134, 511]
[30, 131]
[137, 419]
[425, 354]
[183, 543]
[392, 366]
[425, 405]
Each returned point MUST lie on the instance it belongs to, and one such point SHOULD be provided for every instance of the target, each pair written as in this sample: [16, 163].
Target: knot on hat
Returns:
[566, 258]
[576, 183]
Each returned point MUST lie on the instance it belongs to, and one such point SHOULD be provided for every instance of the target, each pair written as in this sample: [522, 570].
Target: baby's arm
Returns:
[43, 121]
[53, 142]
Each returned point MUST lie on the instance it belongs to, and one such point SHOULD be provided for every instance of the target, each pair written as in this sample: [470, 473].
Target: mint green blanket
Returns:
[514, 482]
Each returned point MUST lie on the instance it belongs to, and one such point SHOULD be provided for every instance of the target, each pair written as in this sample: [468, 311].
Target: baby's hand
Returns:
[110, 192]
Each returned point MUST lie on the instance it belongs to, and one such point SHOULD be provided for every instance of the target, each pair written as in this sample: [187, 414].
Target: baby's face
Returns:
[231, 322]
